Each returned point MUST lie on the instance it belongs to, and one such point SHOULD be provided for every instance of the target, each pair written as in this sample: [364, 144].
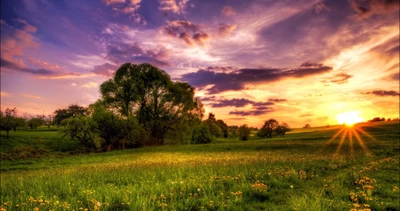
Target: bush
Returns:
[201, 135]
[244, 132]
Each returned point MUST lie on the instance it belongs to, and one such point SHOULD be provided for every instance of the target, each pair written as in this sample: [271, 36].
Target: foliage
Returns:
[243, 132]
[224, 127]
[48, 120]
[268, 128]
[8, 120]
[307, 126]
[71, 111]
[201, 135]
[83, 129]
[281, 129]
[149, 94]
[35, 122]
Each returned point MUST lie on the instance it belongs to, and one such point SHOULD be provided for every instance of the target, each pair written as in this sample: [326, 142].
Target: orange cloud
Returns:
[43, 64]
[30, 96]
[90, 85]
[228, 11]
[4, 94]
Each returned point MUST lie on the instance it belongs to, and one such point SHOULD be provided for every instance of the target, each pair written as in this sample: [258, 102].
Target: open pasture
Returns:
[308, 169]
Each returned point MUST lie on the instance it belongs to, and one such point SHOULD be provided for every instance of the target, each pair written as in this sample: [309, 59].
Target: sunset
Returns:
[200, 105]
[307, 61]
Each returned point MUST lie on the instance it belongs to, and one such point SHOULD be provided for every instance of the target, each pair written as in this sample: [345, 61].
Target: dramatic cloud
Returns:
[321, 7]
[225, 30]
[338, 78]
[188, 32]
[383, 93]
[276, 100]
[236, 102]
[395, 76]
[174, 6]
[43, 64]
[228, 11]
[120, 53]
[366, 8]
[12, 66]
[306, 115]
[237, 79]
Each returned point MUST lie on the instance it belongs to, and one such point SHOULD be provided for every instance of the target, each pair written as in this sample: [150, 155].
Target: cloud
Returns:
[321, 7]
[186, 31]
[10, 65]
[225, 30]
[395, 76]
[383, 93]
[4, 94]
[105, 69]
[109, 2]
[90, 85]
[174, 6]
[30, 96]
[228, 11]
[254, 112]
[120, 53]
[43, 64]
[237, 79]
[73, 84]
[276, 100]
[306, 115]
[338, 78]
[365, 8]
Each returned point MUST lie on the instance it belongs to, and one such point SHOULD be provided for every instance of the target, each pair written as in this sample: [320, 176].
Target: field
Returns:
[308, 169]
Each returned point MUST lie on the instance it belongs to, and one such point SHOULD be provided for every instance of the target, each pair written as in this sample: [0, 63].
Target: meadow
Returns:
[326, 168]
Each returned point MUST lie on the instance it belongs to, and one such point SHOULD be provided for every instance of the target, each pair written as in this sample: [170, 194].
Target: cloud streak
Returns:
[237, 79]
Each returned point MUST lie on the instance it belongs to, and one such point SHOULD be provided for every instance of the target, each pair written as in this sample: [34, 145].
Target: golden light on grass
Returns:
[349, 118]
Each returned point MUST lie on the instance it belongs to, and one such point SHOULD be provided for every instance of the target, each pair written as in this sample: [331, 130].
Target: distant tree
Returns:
[224, 127]
[268, 128]
[35, 122]
[19, 122]
[281, 129]
[232, 131]
[201, 135]
[307, 126]
[8, 120]
[48, 120]
[244, 132]
[71, 111]
[389, 119]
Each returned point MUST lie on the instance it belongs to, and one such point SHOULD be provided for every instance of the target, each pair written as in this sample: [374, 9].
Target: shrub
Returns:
[201, 135]
[244, 132]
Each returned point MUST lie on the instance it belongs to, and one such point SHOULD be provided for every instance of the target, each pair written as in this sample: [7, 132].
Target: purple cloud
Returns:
[237, 79]
[383, 93]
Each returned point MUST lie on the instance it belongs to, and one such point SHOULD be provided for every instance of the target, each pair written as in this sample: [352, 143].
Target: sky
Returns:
[300, 62]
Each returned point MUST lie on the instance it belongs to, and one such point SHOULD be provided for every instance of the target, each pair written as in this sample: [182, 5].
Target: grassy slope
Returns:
[302, 171]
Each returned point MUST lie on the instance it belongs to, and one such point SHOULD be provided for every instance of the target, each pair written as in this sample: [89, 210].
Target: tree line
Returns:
[139, 106]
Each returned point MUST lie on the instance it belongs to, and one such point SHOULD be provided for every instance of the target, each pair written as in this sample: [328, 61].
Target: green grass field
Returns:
[308, 169]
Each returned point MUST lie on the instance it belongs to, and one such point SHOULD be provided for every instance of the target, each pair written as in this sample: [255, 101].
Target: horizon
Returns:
[303, 62]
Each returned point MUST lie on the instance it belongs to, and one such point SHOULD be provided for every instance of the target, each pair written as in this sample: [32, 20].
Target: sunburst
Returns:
[351, 136]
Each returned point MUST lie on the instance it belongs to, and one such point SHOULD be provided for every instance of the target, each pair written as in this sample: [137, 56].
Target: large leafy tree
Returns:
[71, 111]
[149, 93]
[8, 120]
[268, 128]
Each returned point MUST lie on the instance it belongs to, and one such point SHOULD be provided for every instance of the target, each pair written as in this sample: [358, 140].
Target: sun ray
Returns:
[341, 141]
[351, 131]
[330, 140]
[361, 142]
[366, 134]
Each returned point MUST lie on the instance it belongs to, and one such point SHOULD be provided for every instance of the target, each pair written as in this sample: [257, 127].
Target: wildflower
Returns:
[36, 209]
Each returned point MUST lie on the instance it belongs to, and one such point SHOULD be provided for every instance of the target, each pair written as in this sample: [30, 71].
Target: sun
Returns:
[349, 118]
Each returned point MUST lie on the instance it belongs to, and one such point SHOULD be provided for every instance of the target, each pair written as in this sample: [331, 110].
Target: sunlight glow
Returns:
[349, 118]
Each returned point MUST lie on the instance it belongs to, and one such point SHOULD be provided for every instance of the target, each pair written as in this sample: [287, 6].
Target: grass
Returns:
[305, 170]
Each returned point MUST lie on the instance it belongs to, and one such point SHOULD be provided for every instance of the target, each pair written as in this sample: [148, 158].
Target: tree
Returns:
[224, 127]
[35, 122]
[244, 132]
[48, 120]
[71, 111]
[281, 129]
[149, 94]
[19, 122]
[84, 130]
[268, 128]
[201, 135]
[8, 120]
[307, 126]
